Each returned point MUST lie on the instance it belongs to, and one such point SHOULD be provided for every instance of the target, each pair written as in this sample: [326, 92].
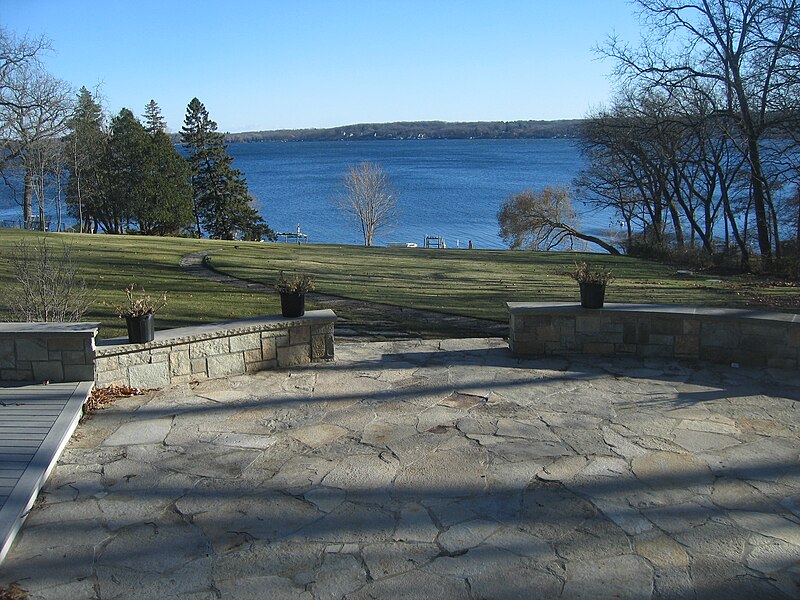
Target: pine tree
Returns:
[164, 206]
[86, 146]
[222, 202]
[154, 122]
[125, 164]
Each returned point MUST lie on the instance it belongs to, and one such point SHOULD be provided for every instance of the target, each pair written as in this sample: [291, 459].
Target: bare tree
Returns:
[745, 53]
[48, 286]
[369, 199]
[34, 108]
[543, 221]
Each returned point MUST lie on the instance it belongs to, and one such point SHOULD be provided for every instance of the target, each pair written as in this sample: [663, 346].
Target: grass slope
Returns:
[110, 263]
[474, 283]
[478, 283]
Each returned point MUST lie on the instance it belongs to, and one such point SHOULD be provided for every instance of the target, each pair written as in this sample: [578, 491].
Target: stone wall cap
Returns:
[521, 308]
[196, 333]
[48, 329]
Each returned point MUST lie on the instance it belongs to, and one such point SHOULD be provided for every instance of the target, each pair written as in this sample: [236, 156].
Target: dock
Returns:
[36, 422]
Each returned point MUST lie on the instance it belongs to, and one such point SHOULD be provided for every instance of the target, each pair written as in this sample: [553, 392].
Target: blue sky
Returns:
[263, 64]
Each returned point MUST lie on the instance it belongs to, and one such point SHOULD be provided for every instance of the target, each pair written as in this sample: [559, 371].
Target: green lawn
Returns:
[110, 263]
[478, 282]
[474, 283]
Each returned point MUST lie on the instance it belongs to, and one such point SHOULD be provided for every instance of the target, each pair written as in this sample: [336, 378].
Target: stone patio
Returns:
[425, 469]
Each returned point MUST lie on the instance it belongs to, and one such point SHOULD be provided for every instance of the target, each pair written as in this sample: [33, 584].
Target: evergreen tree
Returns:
[86, 146]
[125, 164]
[154, 122]
[222, 203]
[164, 205]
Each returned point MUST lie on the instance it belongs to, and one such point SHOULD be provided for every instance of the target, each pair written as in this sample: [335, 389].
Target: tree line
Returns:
[699, 148]
[117, 175]
[414, 130]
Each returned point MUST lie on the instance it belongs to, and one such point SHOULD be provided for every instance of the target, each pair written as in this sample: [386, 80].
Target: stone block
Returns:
[566, 325]
[528, 348]
[224, 365]
[322, 329]
[782, 363]
[526, 335]
[721, 335]
[78, 373]
[199, 366]
[149, 375]
[291, 356]
[31, 349]
[299, 335]
[66, 343]
[15, 375]
[73, 357]
[205, 348]
[8, 356]
[552, 348]
[612, 337]
[249, 341]
[691, 326]
[181, 379]
[643, 333]
[318, 347]
[687, 346]
[130, 359]
[159, 357]
[625, 348]
[281, 341]
[179, 363]
[659, 339]
[593, 324]
[601, 348]
[264, 365]
[47, 370]
[666, 326]
[629, 333]
[656, 351]
[570, 343]
[107, 363]
[268, 349]
[548, 333]
[115, 377]
[252, 356]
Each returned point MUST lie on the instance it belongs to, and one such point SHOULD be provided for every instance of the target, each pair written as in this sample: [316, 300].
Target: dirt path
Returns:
[367, 321]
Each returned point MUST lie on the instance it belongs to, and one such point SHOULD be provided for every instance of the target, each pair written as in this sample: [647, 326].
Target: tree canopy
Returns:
[221, 201]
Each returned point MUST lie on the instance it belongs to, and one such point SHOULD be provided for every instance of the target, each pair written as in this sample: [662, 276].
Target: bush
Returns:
[47, 288]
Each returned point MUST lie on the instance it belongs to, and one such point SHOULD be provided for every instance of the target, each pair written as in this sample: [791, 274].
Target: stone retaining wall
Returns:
[39, 352]
[746, 337]
[218, 350]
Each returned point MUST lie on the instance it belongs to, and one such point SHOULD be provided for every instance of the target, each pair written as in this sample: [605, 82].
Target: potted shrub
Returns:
[592, 280]
[138, 311]
[293, 288]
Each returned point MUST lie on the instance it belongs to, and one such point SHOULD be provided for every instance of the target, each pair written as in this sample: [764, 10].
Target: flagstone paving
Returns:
[425, 469]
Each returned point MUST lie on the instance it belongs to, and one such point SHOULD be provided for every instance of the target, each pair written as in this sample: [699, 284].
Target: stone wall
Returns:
[39, 352]
[217, 350]
[746, 337]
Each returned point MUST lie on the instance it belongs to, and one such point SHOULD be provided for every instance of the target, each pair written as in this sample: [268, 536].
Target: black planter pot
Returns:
[592, 295]
[141, 329]
[293, 305]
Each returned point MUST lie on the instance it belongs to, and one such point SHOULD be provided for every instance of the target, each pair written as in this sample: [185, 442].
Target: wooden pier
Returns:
[36, 422]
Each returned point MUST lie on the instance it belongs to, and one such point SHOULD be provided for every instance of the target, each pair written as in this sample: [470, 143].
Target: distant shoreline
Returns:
[420, 130]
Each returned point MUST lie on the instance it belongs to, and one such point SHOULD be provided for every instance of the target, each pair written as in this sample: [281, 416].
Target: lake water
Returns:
[448, 188]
